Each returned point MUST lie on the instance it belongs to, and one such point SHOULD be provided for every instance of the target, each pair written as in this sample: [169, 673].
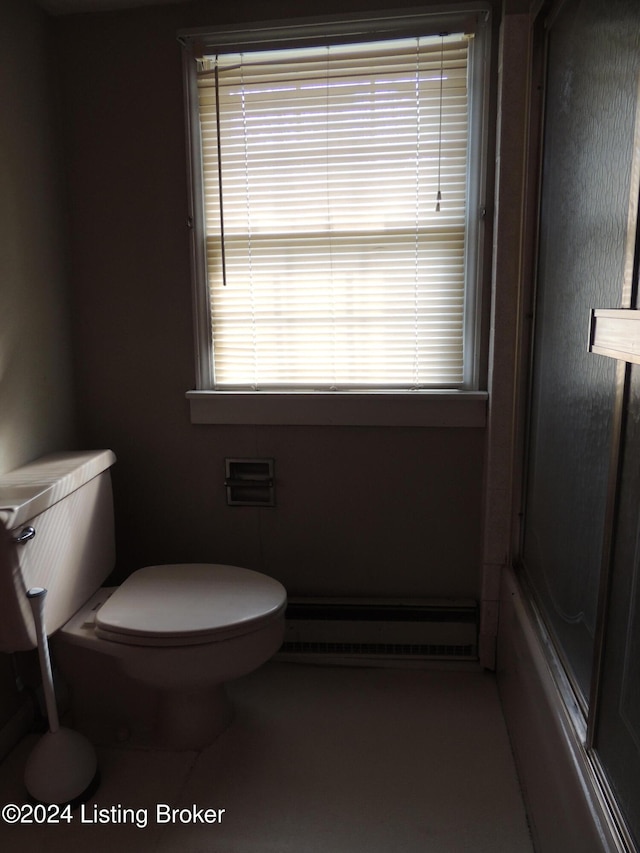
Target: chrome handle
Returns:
[25, 535]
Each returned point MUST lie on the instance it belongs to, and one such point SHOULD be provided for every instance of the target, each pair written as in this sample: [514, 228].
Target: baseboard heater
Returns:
[440, 629]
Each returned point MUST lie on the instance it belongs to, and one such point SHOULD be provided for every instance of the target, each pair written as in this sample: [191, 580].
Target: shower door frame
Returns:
[583, 715]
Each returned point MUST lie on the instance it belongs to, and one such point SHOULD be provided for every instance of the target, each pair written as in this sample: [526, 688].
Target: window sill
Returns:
[366, 408]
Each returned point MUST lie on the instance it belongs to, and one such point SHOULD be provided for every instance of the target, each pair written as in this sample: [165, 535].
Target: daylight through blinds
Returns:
[321, 176]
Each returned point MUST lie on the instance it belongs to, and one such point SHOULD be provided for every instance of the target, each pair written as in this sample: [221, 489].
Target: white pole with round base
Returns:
[62, 767]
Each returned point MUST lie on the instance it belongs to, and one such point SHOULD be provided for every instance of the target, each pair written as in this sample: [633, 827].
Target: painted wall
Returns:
[369, 511]
[36, 411]
[35, 366]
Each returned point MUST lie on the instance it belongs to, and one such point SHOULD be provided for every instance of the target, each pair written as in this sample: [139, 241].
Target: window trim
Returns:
[358, 408]
[210, 405]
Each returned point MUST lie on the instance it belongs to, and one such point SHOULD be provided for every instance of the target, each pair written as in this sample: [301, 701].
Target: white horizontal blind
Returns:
[329, 265]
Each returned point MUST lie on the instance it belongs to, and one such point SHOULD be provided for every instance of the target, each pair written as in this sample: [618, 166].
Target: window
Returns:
[337, 189]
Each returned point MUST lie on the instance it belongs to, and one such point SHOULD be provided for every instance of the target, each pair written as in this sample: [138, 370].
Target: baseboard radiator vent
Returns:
[417, 629]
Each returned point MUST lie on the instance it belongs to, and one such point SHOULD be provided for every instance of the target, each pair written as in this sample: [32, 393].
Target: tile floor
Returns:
[331, 759]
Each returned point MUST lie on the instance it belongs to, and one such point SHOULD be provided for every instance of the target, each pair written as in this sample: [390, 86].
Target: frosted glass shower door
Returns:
[581, 531]
[617, 731]
[586, 177]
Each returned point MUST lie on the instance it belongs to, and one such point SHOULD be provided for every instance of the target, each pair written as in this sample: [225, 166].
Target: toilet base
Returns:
[193, 719]
[163, 697]
[112, 709]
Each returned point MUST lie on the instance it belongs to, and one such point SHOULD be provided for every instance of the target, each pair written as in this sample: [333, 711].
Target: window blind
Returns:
[335, 184]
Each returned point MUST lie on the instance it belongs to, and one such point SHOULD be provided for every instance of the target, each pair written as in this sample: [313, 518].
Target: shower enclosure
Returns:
[580, 551]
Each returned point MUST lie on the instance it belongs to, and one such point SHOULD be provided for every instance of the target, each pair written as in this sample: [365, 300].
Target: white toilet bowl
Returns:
[183, 631]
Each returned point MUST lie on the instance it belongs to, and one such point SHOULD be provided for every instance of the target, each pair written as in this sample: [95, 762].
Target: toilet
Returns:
[149, 658]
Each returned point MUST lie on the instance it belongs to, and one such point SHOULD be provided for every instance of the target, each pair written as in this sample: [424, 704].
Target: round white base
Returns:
[62, 768]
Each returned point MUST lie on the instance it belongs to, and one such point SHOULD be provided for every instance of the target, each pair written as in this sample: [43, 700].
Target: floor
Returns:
[331, 759]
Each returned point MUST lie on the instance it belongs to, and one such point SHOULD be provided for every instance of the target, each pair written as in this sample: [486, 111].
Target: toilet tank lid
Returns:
[38, 485]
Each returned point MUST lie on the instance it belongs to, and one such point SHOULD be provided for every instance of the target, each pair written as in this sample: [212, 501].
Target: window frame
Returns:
[435, 407]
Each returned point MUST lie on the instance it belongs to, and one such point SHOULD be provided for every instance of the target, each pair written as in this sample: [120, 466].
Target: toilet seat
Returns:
[188, 604]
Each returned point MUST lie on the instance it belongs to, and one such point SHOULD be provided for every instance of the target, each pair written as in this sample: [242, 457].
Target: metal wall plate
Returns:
[250, 482]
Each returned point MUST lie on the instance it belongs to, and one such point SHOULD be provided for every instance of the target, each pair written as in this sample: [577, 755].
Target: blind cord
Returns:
[222, 245]
[439, 195]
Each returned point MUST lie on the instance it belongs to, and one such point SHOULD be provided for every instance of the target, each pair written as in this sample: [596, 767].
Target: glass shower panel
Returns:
[591, 88]
[617, 738]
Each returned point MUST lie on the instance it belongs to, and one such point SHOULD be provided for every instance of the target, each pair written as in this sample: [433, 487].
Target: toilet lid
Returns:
[189, 603]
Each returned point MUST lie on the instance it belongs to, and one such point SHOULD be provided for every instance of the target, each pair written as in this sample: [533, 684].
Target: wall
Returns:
[35, 373]
[370, 511]
[35, 365]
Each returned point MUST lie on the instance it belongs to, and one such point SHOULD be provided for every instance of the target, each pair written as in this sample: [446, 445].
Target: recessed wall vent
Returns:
[423, 629]
[250, 482]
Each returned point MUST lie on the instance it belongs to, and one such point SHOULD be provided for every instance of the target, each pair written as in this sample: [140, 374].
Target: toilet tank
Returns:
[66, 498]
